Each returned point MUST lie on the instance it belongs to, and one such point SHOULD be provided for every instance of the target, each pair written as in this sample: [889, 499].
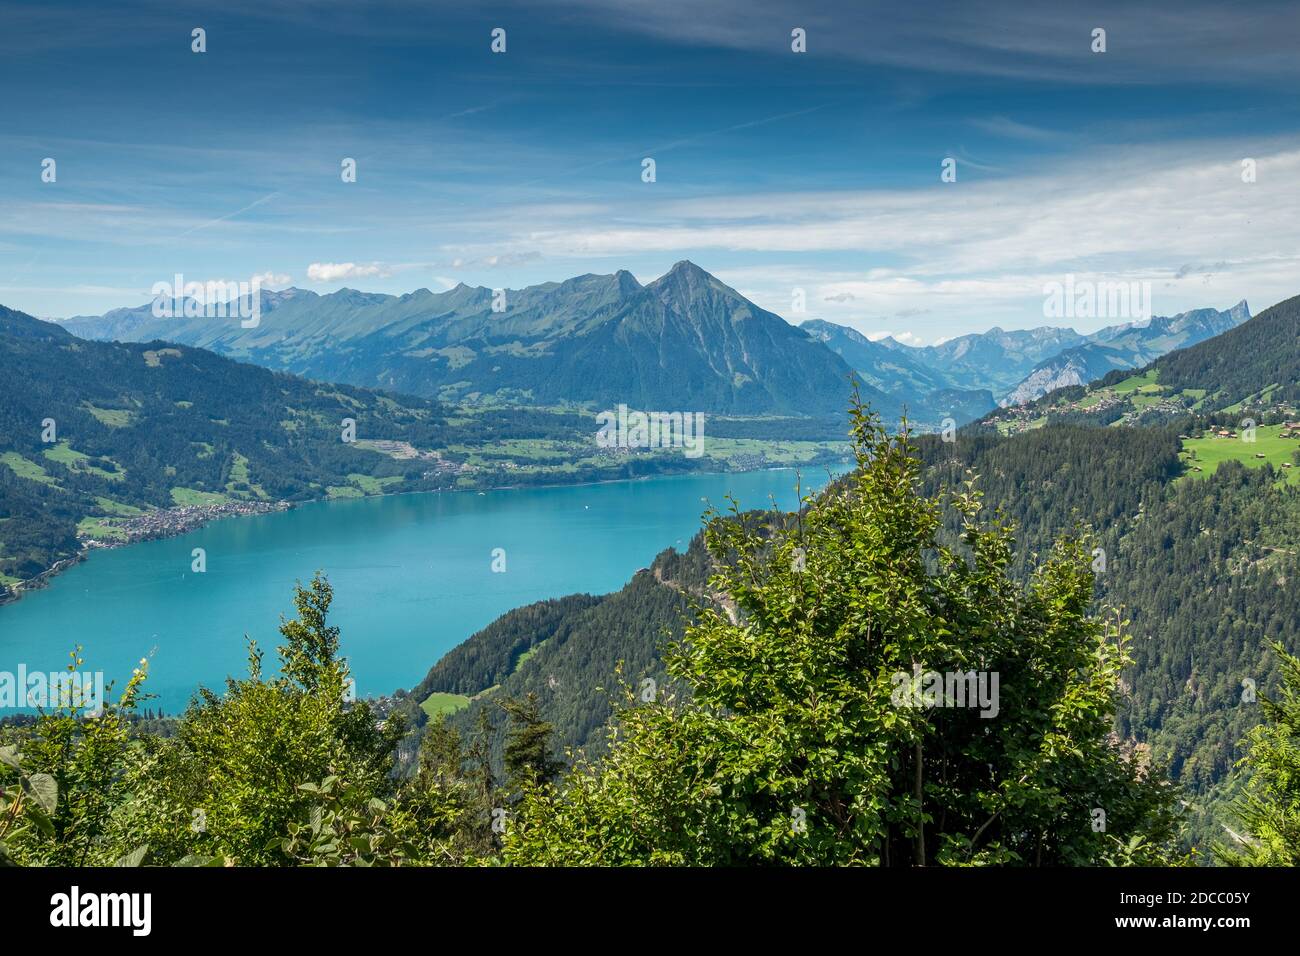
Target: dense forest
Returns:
[1201, 569]
[791, 726]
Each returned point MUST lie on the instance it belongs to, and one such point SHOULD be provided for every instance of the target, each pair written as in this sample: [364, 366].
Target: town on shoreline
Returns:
[160, 523]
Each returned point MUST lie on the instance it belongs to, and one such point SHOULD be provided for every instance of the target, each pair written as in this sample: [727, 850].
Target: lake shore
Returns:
[150, 526]
[173, 522]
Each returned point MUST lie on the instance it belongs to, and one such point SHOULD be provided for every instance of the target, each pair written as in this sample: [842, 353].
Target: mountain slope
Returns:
[997, 359]
[892, 370]
[95, 435]
[1125, 346]
[1252, 370]
[1019, 366]
[1075, 366]
[928, 394]
[1257, 360]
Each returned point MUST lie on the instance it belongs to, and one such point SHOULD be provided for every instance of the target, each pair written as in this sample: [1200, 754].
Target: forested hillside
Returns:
[92, 433]
[1204, 568]
[1251, 371]
[577, 654]
[1260, 359]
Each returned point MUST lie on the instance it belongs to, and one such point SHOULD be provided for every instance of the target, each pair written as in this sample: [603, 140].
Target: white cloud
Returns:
[336, 271]
[1150, 205]
[273, 280]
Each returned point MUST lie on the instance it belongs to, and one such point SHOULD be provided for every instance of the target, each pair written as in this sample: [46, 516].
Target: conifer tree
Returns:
[527, 757]
[1269, 808]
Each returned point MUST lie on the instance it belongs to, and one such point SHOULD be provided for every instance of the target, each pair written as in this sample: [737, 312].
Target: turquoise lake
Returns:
[412, 577]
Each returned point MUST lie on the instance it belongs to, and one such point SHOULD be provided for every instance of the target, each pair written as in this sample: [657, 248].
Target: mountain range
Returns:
[685, 341]
[1251, 370]
[1018, 366]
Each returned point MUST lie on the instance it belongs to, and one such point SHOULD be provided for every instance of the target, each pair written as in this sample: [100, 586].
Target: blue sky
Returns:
[776, 171]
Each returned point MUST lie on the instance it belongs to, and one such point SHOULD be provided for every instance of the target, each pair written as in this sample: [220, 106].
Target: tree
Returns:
[868, 693]
[479, 759]
[309, 655]
[26, 803]
[441, 756]
[229, 784]
[527, 758]
[1269, 807]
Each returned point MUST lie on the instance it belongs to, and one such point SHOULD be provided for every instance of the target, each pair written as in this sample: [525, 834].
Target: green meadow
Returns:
[1209, 453]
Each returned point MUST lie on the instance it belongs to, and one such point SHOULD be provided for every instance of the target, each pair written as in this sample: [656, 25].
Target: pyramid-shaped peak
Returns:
[686, 277]
[686, 268]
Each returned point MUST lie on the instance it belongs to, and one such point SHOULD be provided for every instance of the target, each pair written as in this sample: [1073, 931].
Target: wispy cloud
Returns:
[1148, 40]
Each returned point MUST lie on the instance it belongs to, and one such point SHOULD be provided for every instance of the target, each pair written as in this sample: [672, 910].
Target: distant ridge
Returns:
[686, 342]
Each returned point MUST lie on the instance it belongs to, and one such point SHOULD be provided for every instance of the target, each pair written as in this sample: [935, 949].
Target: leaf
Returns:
[42, 819]
[42, 788]
[133, 858]
[9, 757]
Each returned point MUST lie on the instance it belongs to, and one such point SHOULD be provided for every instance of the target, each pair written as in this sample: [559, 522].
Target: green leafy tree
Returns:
[1269, 806]
[442, 757]
[347, 827]
[74, 762]
[479, 759]
[443, 805]
[227, 784]
[810, 737]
